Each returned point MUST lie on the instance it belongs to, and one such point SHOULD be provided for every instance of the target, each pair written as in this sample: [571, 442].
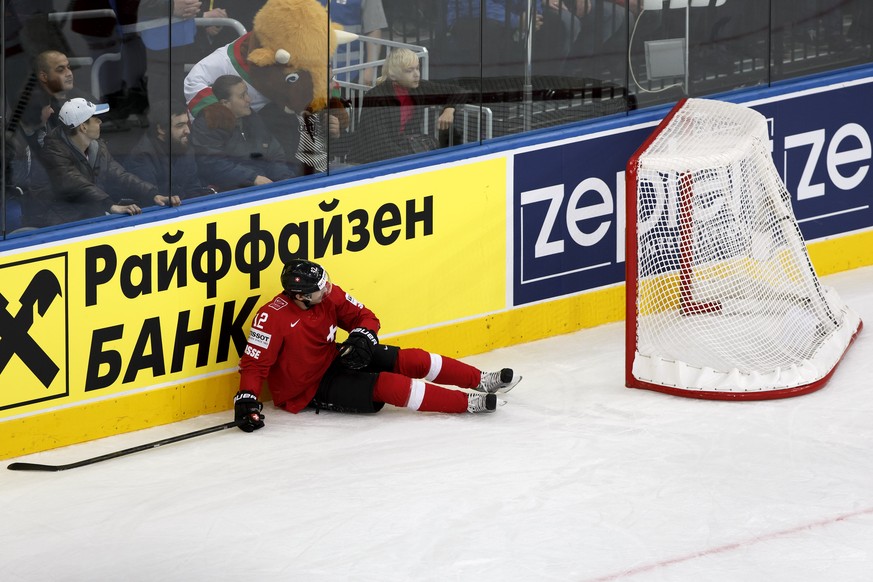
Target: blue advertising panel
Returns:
[569, 216]
[568, 199]
[822, 149]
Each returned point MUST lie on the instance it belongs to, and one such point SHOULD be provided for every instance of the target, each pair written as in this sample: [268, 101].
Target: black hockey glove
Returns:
[247, 408]
[357, 351]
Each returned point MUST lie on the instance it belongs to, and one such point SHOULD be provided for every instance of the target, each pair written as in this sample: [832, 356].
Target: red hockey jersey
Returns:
[292, 348]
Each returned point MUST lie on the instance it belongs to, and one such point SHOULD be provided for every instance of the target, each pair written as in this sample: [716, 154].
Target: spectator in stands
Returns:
[163, 156]
[242, 153]
[243, 11]
[55, 78]
[86, 181]
[25, 175]
[392, 118]
[302, 134]
[170, 46]
[31, 117]
[366, 17]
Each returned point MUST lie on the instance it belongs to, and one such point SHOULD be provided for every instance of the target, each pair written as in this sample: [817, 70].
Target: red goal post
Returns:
[722, 299]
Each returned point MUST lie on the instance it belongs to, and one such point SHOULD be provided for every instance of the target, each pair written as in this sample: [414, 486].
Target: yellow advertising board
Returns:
[164, 303]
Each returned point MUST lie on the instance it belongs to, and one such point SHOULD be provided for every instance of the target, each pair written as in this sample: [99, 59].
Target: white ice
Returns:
[575, 478]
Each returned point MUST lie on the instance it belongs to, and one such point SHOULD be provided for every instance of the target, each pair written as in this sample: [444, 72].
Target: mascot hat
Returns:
[299, 35]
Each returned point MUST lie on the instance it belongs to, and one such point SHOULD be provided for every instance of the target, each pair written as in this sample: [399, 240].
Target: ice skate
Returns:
[481, 403]
[498, 382]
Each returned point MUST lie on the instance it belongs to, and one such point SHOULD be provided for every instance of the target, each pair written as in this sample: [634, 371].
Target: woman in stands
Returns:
[393, 116]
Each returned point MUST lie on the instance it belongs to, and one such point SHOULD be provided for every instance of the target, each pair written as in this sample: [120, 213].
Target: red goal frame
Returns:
[688, 305]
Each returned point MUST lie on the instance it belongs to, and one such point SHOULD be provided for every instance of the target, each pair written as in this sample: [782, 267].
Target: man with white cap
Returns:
[86, 181]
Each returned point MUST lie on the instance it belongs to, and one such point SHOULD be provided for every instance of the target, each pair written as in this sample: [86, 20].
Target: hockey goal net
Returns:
[722, 299]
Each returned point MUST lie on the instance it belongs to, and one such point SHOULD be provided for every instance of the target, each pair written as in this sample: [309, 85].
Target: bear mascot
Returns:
[285, 62]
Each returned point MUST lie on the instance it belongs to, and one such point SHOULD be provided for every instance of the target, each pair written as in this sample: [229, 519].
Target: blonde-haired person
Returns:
[392, 117]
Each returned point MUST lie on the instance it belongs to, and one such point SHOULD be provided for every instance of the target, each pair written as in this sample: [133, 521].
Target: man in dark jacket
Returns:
[86, 181]
[236, 150]
[163, 156]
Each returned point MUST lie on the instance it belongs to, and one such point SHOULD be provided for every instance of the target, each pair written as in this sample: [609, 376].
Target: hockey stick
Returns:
[115, 455]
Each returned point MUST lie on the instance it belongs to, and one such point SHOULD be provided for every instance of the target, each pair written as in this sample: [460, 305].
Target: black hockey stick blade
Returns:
[115, 455]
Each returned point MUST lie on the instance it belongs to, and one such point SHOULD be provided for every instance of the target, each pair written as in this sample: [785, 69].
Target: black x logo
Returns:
[14, 331]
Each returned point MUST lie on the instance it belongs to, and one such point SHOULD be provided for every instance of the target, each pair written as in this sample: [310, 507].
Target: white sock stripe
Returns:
[416, 394]
[436, 364]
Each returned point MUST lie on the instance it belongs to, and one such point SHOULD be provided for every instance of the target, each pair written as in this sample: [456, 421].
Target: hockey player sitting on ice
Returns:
[292, 346]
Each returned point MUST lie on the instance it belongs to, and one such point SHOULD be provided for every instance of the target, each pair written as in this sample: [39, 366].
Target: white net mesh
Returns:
[726, 297]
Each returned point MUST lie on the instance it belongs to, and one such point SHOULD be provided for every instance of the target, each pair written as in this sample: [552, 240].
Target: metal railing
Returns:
[97, 63]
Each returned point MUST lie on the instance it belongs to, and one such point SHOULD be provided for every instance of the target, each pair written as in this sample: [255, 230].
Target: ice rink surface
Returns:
[576, 479]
